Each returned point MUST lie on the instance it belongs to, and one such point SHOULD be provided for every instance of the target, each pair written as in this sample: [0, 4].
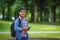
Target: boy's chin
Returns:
[23, 16]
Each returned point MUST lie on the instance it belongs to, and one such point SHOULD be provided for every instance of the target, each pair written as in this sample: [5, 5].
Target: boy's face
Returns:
[22, 13]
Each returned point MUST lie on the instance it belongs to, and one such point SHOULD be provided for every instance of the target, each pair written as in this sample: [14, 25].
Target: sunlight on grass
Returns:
[4, 36]
[7, 22]
[41, 35]
[46, 35]
[44, 27]
[5, 26]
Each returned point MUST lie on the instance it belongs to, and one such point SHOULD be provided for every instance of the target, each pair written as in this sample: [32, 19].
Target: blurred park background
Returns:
[43, 16]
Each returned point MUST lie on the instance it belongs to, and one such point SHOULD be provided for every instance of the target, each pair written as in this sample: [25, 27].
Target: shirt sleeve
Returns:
[16, 28]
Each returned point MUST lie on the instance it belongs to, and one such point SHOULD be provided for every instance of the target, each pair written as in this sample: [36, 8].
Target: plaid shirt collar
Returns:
[21, 18]
[23, 21]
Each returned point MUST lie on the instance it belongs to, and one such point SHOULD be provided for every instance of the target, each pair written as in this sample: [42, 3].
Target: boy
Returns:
[21, 32]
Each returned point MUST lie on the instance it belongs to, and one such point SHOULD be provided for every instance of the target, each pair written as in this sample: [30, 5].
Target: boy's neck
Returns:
[21, 17]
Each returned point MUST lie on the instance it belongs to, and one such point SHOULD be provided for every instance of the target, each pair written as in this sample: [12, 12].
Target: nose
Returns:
[24, 13]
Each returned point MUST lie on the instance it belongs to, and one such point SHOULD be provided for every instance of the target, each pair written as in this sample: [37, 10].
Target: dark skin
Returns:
[22, 14]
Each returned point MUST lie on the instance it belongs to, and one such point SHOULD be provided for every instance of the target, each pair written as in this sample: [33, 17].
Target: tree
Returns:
[59, 14]
[2, 6]
[9, 3]
[53, 9]
[58, 4]
[17, 5]
[32, 13]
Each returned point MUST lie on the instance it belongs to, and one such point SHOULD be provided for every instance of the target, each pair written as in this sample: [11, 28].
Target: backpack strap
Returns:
[19, 21]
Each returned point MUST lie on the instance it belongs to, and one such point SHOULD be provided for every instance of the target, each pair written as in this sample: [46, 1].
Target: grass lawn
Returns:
[45, 35]
[5, 27]
[4, 36]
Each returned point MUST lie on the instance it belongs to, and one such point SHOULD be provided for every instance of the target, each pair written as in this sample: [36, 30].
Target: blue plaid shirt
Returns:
[19, 29]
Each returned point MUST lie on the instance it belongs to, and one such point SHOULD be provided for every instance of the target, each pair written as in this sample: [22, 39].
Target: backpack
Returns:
[13, 32]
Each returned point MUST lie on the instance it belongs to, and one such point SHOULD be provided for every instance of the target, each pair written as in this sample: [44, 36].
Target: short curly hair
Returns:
[22, 8]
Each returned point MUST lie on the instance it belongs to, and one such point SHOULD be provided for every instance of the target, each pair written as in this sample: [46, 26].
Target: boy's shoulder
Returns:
[16, 19]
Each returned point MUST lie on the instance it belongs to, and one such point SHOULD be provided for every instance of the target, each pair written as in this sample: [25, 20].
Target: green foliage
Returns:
[42, 5]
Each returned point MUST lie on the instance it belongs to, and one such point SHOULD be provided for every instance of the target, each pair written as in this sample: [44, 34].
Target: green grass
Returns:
[46, 35]
[5, 27]
[45, 27]
[4, 36]
[42, 35]
[55, 35]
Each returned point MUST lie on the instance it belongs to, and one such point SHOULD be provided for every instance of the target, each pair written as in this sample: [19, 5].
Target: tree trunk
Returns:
[53, 13]
[59, 14]
[2, 6]
[32, 13]
[16, 14]
[41, 14]
[3, 12]
[8, 13]
[46, 15]
[37, 14]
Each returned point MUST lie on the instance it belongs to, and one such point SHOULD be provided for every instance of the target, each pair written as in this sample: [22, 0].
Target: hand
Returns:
[24, 29]
[27, 29]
